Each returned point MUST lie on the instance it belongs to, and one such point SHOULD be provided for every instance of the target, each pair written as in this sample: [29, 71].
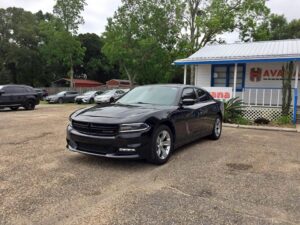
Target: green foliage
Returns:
[276, 27]
[59, 46]
[19, 60]
[283, 120]
[241, 120]
[95, 63]
[232, 110]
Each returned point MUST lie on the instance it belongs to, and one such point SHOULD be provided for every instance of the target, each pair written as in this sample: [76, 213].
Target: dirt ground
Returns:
[247, 177]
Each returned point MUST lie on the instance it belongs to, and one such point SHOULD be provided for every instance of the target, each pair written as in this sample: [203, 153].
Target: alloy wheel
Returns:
[218, 127]
[163, 143]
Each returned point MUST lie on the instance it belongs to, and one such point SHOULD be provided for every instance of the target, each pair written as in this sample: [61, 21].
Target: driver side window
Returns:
[203, 96]
[189, 93]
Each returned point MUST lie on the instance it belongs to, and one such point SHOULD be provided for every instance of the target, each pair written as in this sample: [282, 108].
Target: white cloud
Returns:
[95, 13]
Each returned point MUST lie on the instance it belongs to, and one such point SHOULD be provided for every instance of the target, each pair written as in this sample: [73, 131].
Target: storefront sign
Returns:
[258, 74]
[221, 93]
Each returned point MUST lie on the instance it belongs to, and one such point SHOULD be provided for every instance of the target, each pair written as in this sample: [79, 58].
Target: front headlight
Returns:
[134, 127]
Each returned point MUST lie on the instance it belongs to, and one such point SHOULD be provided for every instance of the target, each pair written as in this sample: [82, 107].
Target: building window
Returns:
[223, 76]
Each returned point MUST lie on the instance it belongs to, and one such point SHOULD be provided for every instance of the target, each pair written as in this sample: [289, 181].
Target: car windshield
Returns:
[108, 92]
[1, 87]
[89, 93]
[62, 93]
[156, 95]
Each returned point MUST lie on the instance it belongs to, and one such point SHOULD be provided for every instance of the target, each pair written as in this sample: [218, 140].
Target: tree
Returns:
[19, 39]
[59, 46]
[276, 27]
[95, 63]
[205, 20]
[68, 11]
[141, 38]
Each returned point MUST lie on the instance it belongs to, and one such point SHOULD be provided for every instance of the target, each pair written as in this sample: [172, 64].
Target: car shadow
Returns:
[190, 145]
[117, 164]
[127, 164]
[7, 110]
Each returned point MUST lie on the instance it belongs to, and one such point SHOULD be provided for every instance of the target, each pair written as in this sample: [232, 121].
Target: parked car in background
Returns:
[88, 97]
[109, 96]
[42, 93]
[62, 97]
[149, 122]
[16, 96]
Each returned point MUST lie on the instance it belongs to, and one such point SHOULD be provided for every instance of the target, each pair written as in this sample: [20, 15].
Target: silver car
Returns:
[109, 96]
[88, 97]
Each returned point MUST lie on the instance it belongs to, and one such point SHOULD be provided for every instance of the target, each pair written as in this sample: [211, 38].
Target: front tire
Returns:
[29, 105]
[60, 101]
[217, 130]
[162, 145]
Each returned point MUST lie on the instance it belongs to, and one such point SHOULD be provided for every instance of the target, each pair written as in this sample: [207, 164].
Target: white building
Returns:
[253, 71]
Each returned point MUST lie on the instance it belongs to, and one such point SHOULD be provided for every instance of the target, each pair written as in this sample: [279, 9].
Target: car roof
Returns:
[181, 86]
[15, 85]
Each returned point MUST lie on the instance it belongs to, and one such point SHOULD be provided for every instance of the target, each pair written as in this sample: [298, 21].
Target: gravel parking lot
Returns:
[247, 177]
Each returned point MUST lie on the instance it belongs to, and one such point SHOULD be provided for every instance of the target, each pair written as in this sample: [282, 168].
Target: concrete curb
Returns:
[260, 127]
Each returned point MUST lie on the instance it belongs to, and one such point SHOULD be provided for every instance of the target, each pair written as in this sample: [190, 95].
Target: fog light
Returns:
[126, 150]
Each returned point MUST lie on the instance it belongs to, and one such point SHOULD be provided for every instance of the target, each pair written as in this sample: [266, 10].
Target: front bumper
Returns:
[51, 100]
[81, 100]
[137, 144]
[102, 100]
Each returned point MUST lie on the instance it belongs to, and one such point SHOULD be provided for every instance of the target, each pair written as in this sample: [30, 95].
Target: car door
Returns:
[7, 97]
[20, 95]
[185, 118]
[206, 111]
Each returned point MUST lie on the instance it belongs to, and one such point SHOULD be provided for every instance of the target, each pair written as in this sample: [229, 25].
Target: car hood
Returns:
[117, 113]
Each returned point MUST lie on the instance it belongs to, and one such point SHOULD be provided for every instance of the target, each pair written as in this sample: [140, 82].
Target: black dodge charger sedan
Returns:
[148, 122]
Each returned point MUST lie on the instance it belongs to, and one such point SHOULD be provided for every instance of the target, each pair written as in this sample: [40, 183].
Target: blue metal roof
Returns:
[264, 51]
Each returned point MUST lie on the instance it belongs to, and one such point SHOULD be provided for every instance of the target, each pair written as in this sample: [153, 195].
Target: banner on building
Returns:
[220, 93]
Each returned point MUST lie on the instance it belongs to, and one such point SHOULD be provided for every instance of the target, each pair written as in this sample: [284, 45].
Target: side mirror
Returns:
[65, 94]
[187, 101]
[2, 92]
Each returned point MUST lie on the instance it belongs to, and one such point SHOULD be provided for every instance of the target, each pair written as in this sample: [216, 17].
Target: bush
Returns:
[233, 110]
[241, 120]
[283, 120]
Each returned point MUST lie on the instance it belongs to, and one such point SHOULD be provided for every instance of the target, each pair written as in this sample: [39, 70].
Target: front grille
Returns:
[95, 128]
[97, 149]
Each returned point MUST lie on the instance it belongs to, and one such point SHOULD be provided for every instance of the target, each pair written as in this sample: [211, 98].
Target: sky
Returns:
[97, 12]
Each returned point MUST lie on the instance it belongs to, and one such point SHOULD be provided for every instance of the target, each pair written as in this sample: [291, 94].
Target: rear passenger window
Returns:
[189, 93]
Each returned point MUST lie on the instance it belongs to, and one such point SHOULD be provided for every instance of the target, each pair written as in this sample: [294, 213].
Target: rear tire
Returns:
[217, 130]
[162, 145]
[14, 108]
[29, 105]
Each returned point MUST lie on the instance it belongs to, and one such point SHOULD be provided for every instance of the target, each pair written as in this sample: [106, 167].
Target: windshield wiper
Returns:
[144, 103]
